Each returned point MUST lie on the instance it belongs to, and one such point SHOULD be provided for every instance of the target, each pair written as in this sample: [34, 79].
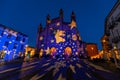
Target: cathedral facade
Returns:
[59, 38]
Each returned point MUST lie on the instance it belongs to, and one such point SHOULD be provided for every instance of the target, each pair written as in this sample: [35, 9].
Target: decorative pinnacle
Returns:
[48, 19]
[73, 16]
[61, 13]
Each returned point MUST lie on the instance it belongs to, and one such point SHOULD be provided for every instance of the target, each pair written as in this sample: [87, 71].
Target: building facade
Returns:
[105, 47]
[12, 43]
[29, 51]
[92, 50]
[112, 30]
[59, 38]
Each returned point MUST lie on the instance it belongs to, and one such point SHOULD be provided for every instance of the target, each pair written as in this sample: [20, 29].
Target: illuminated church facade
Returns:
[59, 38]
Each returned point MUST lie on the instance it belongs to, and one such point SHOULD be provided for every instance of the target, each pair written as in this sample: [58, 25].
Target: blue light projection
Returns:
[60, 38]
[12, 43]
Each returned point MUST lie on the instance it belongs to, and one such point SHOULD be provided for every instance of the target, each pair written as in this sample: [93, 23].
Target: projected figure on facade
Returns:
[59, 38]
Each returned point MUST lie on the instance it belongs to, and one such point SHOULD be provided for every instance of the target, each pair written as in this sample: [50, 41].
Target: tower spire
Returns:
[48, 19]
[61, 13]
[40, 28]
[73, 17]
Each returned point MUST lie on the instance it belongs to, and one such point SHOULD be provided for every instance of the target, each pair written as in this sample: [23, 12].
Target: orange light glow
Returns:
[41, 53]
[68, 51]
[53, 50]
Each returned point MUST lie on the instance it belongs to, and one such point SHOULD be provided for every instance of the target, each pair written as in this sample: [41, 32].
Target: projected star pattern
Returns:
[61, 38]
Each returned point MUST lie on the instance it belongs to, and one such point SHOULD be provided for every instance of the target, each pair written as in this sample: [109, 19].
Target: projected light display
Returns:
[60, 38]
[12, 43]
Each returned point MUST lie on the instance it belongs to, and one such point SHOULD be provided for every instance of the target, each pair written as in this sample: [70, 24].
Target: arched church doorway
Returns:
[68, 52]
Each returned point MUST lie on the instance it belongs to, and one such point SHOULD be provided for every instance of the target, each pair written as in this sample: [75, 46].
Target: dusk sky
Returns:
[26, 15]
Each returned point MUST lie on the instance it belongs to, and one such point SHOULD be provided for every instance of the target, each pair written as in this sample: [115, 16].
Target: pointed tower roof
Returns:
[48, 19]
[73, 17]
[40, 28]
[61, 13]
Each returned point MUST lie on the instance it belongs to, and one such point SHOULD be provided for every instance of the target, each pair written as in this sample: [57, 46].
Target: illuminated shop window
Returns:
[2, 54]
